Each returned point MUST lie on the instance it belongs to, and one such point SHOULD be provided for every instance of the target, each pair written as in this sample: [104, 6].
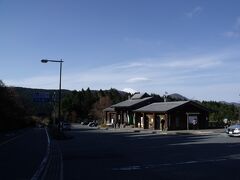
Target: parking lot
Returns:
[123, 154]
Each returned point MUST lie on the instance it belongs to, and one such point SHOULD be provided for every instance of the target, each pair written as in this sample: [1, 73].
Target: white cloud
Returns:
[167, 71]
[48, 82]
[129, 65]
[137, 80]
[142, 42]
[185, 74]
[199, 62]
[235, 32]
[195, 12]
[237, 23]
[232, 34]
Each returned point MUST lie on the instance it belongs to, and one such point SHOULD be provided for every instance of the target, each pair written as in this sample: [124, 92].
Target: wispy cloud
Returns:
[142, 42]
[182, 74]
[237, 23]
[137, 80]
[235, 32]
[194, 12]
[232, 34]
[48, 82]
[192, 62]
[131, 65]
[196, 63]
[124, 73]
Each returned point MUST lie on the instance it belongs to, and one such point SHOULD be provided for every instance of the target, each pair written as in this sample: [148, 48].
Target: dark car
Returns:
[66, 126]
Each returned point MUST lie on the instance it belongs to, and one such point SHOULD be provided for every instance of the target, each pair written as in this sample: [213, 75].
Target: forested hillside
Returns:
[88, 105]
[12, 111]
[76, 105]
[18, 108]
[222, 111]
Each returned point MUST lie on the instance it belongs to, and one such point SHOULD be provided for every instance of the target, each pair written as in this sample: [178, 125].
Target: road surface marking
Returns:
[152, 166]
[61, 165]
[9, 140]
[43, 164]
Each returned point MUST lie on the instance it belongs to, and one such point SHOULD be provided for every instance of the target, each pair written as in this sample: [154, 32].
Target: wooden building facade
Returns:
[122, 113]
[178, 115]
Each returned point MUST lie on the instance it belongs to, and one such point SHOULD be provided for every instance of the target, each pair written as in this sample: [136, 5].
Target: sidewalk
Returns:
[171, 132]
[11, 134]
[54, 167]
[51, 167]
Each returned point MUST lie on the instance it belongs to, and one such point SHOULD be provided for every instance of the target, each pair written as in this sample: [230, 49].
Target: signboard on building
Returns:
[41, 97]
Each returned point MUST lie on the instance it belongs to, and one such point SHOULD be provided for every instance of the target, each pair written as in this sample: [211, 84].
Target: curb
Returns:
[191, 132]
[54, 166]
[40, 171]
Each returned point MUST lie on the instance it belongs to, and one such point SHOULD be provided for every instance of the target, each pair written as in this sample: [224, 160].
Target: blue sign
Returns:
[41, 97]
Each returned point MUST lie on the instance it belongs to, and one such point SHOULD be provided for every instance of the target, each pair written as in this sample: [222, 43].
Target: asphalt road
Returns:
[21, 155]
[99, 154]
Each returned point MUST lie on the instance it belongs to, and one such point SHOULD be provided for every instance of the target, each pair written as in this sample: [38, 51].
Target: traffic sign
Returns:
[41, 97]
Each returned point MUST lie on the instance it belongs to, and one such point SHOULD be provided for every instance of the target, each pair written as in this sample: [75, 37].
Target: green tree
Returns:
[88, 104]
[12, 113]
[221, 111]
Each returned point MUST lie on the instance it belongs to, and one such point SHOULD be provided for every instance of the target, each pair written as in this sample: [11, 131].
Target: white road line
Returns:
[61, 165]
[43, 164]
[9, 140]
[141, 135]
[152, 166]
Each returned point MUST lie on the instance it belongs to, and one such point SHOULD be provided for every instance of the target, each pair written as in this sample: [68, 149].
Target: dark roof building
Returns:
[168, 106]
[132, 103]
[175, 115]
[121, 113]
[161, 106]
[144, 111]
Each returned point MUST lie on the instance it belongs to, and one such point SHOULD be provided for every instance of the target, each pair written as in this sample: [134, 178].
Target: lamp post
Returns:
[239, 113]
[60, 88]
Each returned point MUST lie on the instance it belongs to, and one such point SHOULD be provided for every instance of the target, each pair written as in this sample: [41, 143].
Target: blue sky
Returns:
[189, 47]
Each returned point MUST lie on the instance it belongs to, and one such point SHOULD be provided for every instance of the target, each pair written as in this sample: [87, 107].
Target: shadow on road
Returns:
[137, 155]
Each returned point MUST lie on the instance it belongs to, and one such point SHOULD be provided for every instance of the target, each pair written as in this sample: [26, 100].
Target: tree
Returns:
[221, 111]
[88, 104]
[12, 113]
[97, 109]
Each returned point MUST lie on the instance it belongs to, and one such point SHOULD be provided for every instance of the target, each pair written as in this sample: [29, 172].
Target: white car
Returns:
[233, 130]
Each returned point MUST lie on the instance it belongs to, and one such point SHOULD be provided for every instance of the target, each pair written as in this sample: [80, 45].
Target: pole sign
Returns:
[41, 97]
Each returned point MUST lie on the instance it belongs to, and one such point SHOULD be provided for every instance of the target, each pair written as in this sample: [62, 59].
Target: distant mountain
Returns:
[177, 97]
[43, 108]
[231, 103]
[26, 96]
[236, 104]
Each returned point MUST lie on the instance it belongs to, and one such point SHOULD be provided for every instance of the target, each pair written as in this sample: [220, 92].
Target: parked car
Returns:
[93, 124]
[66, 126]
[84, 123]
[40, 125]
[233, 130]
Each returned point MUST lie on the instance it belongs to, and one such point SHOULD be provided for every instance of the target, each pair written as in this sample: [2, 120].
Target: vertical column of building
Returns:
[166, 121]
[145, 123]
[154, 121]
[106, 118]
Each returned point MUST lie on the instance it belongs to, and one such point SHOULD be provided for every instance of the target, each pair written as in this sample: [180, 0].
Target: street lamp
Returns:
[60, 88]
